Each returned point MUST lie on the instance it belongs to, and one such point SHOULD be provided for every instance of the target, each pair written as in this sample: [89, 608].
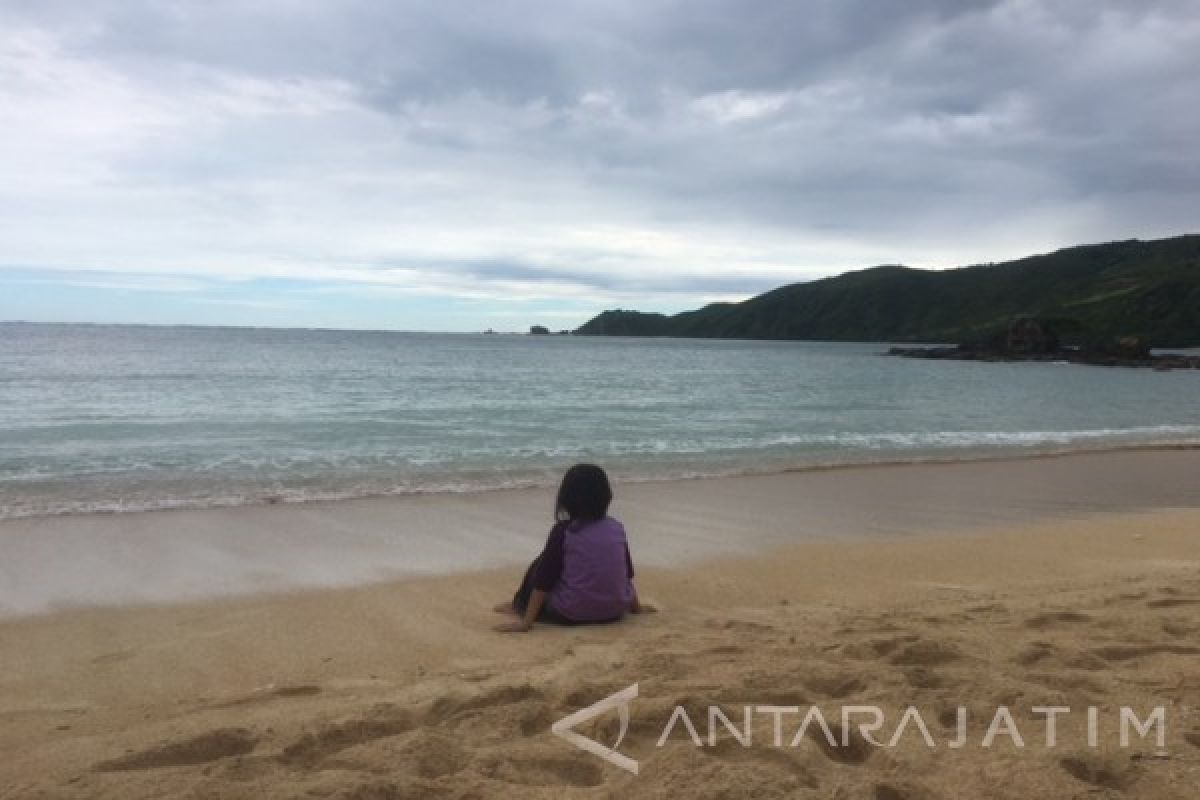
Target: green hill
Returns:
[1125, 288]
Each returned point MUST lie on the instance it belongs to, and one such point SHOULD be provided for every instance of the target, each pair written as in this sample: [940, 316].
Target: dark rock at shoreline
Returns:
[1073, 355]
[1028, 338]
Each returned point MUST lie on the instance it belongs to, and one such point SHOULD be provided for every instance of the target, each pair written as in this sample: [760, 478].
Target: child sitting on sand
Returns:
[584, 574]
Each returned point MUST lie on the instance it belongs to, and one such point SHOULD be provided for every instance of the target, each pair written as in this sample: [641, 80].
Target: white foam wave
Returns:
[527, 467]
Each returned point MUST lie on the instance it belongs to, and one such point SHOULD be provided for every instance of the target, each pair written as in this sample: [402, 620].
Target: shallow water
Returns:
[129, 418]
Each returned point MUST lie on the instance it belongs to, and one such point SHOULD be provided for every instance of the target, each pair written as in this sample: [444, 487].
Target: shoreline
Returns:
[401, 689]
[180, 556]
[280, 499]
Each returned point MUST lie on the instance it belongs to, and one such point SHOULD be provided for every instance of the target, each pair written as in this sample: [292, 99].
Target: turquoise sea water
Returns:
[126, 418]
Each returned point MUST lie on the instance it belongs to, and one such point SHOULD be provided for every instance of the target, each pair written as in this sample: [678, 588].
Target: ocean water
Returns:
[125, 418]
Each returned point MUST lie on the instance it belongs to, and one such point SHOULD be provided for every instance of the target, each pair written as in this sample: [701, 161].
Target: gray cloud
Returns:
[699, 148]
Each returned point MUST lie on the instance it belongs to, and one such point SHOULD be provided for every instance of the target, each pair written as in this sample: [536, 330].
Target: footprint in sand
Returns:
[377, 790]
[202, 749]
[545, 771]
[1173, 602]
[434, 754]
[927, 653]
[1192, 738]
[854, 752]
[524, 704]
[1175, 627]
[1106, 773]
[876, 648]
[381, 722]
[786, 760]
[891, 791]
[448, 707]
[884, 791]
[924, 678]
[1035, 652]
[948, 718]
[1051, 619]
[391, 790]
[1127, 652]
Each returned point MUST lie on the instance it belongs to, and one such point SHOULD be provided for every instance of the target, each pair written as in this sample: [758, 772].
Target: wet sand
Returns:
[152, 557]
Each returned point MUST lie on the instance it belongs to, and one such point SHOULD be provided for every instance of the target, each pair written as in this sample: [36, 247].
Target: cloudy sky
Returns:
[457, 166]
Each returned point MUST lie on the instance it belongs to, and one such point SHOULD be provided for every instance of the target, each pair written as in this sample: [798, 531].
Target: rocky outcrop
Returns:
[1032, 339]
[1030, 336]
[1074, 355]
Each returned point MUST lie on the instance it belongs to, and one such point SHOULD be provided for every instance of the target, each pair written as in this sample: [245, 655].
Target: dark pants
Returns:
[548, 613]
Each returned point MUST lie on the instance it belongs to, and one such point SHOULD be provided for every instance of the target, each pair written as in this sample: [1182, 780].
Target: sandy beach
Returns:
[1069, 582]
[599, 401]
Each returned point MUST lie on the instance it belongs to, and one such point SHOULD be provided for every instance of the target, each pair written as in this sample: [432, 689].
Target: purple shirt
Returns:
[587, 570]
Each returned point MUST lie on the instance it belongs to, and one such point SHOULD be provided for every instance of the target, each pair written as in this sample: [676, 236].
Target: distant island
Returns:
[1094, 295]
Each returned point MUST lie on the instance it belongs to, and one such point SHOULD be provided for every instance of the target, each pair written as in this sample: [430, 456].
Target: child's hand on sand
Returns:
[517, 626]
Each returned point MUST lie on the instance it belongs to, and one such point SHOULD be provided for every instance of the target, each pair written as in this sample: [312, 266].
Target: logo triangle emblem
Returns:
[620, 701]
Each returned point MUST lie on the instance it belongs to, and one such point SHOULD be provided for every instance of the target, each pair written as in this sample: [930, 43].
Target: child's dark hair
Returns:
[584, 494]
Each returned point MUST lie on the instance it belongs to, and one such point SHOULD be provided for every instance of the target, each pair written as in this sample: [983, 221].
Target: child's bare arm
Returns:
[536, 600]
